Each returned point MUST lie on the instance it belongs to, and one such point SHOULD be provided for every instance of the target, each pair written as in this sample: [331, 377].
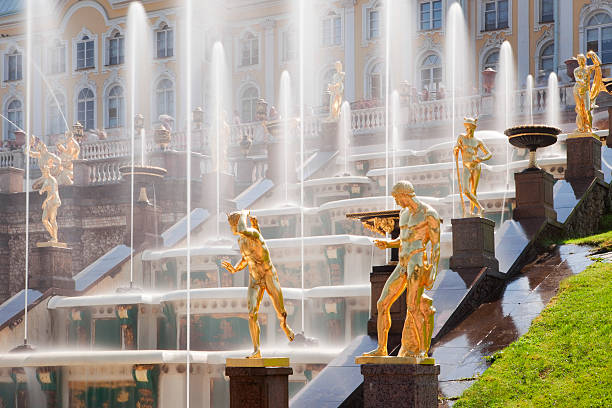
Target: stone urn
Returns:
[488, 79]
[570, 65]
[162, 137]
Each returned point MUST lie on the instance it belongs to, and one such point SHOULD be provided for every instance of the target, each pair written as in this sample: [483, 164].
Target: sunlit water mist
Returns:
[344, 135]
[139, 64]
[457, 52]
[218, 121]
[285, 115]
[395, 136]
[529, 98]
[553, 101]
[505, 105]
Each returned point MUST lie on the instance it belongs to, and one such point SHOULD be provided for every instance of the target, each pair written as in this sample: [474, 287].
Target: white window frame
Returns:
[431, 69]
[368, 76]
[75, 41]
[115, 37]
[332, 18]
[86, 108]
[56, 54]
[540, 59]
[55, 123]
[156, 95]
[8, 128]
[13, 57]
[249, 39]
[599, 28]
[540, 9]
[121, 108]
[365, 21]
[253, 100]
[288, 45]
[431, 18]
[166, 28]
[481, 18]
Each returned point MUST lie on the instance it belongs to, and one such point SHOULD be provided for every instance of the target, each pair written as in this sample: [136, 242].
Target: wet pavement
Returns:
[462, 352]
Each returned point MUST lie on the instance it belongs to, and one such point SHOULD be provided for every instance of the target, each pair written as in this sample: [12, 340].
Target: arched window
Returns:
[164, 95]
[546, 59]
[85, 53]
[14, 113]
[14, 71]
[55, 120]
[164, 38]
[248, 104]
[491, 61]
[116, 48]
[116, 107]
[599, 36]
[375, 81]
[431, 73]
[86, 108]
[249, 50]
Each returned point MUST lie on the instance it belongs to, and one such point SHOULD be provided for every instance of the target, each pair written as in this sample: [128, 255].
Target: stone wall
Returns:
[92, 220]
[586, 216]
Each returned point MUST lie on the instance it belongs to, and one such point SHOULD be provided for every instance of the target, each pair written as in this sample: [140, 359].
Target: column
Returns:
[566, 32]
[349, 50]
[523, 29]
[269, 60]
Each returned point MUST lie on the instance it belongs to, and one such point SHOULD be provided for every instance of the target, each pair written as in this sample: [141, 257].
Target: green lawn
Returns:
[565, 359]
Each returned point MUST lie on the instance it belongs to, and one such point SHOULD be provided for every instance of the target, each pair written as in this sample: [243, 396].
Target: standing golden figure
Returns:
[336, 88]
[419, 253]
[263, 276]
[468, 176]
[68, 152]
[586, 93]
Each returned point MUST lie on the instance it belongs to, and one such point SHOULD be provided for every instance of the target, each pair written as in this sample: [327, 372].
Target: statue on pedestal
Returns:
[586, 92]
[419, 253]
[336, 89]
[263, 276]
[468, 178]
[68, 152]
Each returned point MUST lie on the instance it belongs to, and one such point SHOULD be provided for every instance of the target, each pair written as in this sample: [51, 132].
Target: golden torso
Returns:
[414, 234]
[469, 150]
[256, 253]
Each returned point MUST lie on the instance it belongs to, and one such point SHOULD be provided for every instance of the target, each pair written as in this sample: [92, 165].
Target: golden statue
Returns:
[585, 92]
[49, 164]
[336, 88]
[469, 145]
[68, 152]
[419, 253]
[263, 277]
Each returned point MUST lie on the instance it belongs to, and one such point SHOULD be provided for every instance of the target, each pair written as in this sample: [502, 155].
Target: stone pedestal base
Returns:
[534, 195]
[147, 225]
[473, 244]
[329, 135]
[583, 161]
[400, 385]
[378, 277]
[51, 267]
[11, 180]
[259, 387]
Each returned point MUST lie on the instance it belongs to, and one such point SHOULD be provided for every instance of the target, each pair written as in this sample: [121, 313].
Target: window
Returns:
[115, 106]
[85, 53]
[55, 120]
[14, 113]
[496, 15]
[56, 58]
[164, 95]
[374, 28]
[431, 15]
[86, 108]
[491, 61]
[165, 42]
[14, 66]
[249, 50]
[288, 45]
[116, 49]
[546, 60]
[331, 30]
[431, 73]
[546, 11]
[248, 104]
[599, 36]
[376, 82]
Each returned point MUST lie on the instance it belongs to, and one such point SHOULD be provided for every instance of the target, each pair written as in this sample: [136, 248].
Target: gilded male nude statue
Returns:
[336, 88]
[416, 271]
[51, 203]
[469, 146]
[68, 152]
[263, 277]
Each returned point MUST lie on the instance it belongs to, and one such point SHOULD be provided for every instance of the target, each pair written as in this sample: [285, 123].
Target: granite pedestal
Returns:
[329, 131]
[51, 267]
[259, 387]
[583, 162]
[534, 195]
[147, 224]
[400, 385]
[11, 180]
[473, 247]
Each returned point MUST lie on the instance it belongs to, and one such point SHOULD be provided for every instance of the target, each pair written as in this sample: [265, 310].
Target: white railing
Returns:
[103, 171]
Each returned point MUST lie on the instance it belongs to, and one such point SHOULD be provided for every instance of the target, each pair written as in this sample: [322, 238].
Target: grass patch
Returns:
[602, 241]
[564, 360]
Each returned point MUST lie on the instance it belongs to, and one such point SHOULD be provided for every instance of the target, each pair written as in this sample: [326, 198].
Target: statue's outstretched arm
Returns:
[487, 153]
